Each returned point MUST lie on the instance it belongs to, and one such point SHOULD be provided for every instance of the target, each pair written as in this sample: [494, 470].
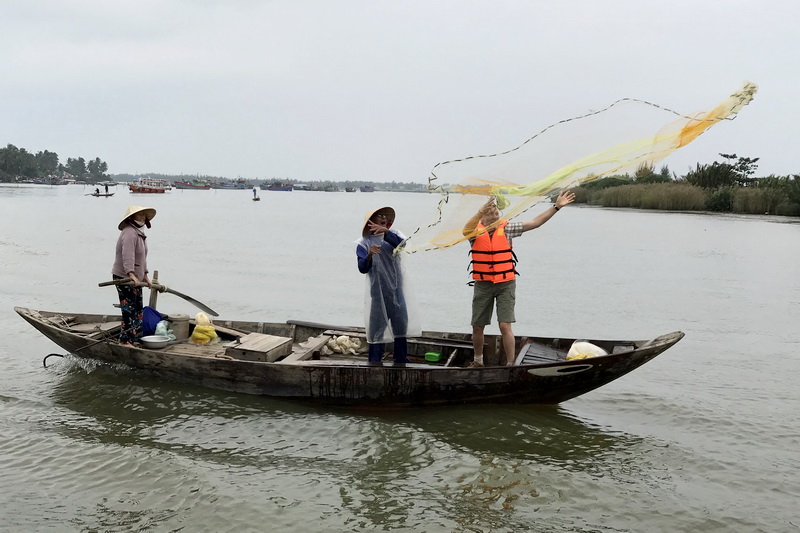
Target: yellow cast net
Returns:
[617, 139]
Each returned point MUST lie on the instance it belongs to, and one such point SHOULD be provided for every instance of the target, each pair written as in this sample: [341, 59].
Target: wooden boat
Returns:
[276, 187]
[150, 185]
[236, 185]
[199, 185]
[288, 360]
[97, 195]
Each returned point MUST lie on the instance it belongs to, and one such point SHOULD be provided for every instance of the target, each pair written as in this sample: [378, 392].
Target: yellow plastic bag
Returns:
[204, 331]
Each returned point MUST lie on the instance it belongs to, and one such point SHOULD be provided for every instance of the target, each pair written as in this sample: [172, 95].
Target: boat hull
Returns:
[146, 190]
[186, 185]
[354, 381]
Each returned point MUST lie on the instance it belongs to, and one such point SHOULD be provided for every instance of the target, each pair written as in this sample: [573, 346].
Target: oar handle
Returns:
[163, 288]
[156, 286]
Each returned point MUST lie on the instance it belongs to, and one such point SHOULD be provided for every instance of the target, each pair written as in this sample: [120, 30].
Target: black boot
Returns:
[401, 350]
[375, 353]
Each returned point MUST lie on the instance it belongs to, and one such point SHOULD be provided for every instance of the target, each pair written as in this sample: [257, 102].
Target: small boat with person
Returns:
[324, 364]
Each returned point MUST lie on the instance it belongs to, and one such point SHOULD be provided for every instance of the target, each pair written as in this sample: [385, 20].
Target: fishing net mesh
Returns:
[617, 139]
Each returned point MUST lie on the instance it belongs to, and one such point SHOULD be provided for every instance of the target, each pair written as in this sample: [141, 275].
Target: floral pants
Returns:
[130, 299]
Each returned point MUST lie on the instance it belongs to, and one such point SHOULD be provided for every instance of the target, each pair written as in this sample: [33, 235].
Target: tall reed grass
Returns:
[756, 201]
[665, 196]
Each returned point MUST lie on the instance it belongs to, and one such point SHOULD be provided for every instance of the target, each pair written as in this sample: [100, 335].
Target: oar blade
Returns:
[199, 305]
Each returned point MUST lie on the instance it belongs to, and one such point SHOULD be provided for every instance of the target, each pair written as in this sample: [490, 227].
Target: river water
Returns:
[703, 438]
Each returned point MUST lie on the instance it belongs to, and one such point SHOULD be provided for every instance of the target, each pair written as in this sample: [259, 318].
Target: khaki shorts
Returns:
[483, 298]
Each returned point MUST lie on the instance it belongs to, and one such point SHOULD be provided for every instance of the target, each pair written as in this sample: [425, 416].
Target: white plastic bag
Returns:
[583, 349]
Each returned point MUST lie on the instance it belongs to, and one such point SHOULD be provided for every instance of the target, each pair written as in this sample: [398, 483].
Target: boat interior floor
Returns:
[242, 345]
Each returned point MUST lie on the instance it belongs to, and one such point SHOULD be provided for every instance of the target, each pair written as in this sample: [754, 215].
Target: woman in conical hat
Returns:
[389, 311]
[130, 262]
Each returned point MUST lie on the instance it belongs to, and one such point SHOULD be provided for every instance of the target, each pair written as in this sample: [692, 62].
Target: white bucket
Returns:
[180, 326]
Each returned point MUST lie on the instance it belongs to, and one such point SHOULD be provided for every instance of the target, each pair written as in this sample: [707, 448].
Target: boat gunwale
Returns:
[661, 343]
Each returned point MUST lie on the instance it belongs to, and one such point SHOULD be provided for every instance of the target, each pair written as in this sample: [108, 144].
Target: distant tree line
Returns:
[320, 185]
[16, 163]
[722, 186]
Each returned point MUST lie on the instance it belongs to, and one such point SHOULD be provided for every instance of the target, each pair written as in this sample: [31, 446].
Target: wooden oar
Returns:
[163, 288]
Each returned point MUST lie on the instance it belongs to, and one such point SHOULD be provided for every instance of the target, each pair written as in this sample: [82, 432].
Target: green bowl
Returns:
[433, 357]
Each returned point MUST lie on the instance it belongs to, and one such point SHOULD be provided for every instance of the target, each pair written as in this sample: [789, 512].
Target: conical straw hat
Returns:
[132, 210]
[388, 211]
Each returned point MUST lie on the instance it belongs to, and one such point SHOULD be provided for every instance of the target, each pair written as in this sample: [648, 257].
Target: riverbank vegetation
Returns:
[18, 164]
[726, 186]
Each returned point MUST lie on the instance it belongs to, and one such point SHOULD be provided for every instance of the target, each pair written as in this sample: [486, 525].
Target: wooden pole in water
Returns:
[154, 292]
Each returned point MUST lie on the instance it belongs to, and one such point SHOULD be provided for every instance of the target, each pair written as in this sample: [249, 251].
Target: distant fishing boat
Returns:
[276, 187]
[367, 188]
[150, 185]
[200, 185]
[105, 194]
[238, 185]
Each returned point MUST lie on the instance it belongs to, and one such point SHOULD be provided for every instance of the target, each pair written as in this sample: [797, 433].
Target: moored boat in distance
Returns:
[325, 364]
[367, 188]
[238, 185]
[195, 184]
[150, 185]
[276, 186]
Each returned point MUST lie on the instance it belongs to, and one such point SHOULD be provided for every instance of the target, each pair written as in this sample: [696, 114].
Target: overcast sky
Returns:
[379, 90]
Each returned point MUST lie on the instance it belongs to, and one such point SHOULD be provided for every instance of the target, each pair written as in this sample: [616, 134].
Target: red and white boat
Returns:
[150, 185]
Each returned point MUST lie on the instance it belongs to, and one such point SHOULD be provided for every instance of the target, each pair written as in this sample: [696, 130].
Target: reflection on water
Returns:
[388, 467]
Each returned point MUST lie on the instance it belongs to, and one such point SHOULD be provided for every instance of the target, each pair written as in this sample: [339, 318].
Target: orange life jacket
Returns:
[492, 257]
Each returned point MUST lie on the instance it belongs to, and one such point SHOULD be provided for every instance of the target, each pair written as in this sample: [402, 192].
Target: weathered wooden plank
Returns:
[260, 347]
[306, 349]
[91, 327]
[200, 350]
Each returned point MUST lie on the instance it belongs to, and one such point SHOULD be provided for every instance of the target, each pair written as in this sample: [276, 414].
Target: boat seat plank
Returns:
[260, 347]
[306, 350]
[522, 353]
[539, 353]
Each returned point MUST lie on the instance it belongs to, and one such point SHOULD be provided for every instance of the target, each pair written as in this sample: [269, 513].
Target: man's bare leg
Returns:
[508, 342]
[477, 344]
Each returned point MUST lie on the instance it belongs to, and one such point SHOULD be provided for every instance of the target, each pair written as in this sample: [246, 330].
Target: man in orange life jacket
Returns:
[493, 270]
